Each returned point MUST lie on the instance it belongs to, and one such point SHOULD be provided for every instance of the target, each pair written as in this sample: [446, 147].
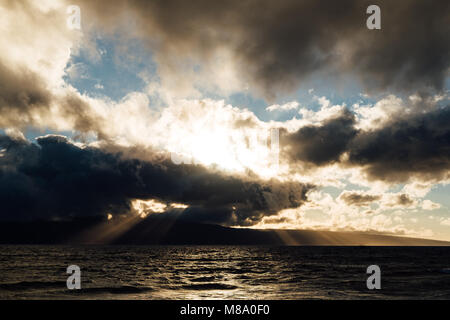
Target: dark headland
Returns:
[177, 232]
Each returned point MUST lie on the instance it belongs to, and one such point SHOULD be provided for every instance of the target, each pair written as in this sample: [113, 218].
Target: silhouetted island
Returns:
[163, 231]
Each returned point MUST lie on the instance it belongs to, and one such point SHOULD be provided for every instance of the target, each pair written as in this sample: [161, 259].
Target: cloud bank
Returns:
[57, 179]
[416, 146]
[276, 45]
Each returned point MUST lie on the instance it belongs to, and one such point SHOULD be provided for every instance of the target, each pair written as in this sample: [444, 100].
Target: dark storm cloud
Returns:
[58, 179]
[322, 144]
[20, 92]
[280, 43]
[358, 199]
[417, 146]
[25, 100]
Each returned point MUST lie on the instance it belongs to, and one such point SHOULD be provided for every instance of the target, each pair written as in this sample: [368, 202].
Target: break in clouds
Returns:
[268, 49]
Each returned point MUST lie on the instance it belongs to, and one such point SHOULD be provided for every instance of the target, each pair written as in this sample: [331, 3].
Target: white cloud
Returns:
[327, 110]
[37, 38]
[322, 212]
[284, 107]
[417, 189]
[430, 205]
[372, 117]
[77, 71]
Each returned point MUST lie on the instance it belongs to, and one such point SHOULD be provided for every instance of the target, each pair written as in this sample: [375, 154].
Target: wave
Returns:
[29, 285]
[210, 286]
[34, 285]
[113, 290]
[204, 279]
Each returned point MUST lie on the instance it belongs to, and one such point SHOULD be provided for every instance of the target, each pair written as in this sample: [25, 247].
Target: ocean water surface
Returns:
[223, 272]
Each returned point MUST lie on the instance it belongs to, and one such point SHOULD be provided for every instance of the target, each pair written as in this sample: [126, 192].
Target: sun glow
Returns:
[211, 133]
[143, 208]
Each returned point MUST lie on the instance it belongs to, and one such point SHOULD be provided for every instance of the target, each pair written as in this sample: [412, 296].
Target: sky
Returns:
[262, 114]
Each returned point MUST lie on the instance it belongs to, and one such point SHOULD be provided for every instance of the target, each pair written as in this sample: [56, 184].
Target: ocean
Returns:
[223, 272]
